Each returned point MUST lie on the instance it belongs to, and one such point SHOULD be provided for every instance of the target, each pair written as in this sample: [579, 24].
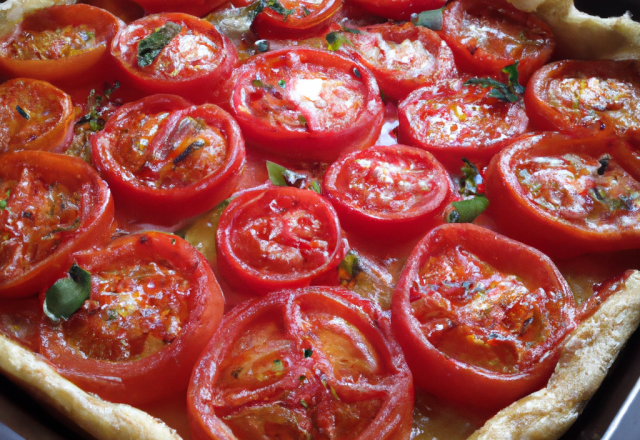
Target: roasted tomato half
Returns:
[388, 192]
[586, 98]
[399, 10]
[174, 53]
[566, 196]
[452, 120]
[295, 19]
[278, 238]
[488, 35]
[309, 363]
[50, 206]
[307, 104]
[480, 318]
[166, 160]
[154, 305]
[193, 7]
[59, 43]
[401, 57]
[34, 115]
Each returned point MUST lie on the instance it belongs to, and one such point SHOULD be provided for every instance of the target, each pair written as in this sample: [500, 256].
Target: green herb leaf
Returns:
[466, 211]
[335, 40]
[110, 89]
[510, 92]
[349, 268]
[149, 48]
[351, 31]
[257, 83]
[67, 295]
[305, 11]
[308, 353]
[302, 120]
[276, 173]
[315, 186]
[281, 83]
[254, 9]
[277, 7]
[277, 366]
[304, 404]
[429, 19]
[3, 203]
[472, 178]
[22, 113]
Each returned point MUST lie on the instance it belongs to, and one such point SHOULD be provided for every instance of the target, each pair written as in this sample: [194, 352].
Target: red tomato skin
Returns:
[196, 87]
[450, 153]
[399, 10]
[392, 226]
[192, 7]
[95, 230]
[168, 207]
[270, 24]
[482, 62]
[545, 117]
[394, 420]
[145, 380]
[306, 145]
[245, 278]
[60, 135]
[524, 221]
[72, 69]
[457, 381]
[395, 87]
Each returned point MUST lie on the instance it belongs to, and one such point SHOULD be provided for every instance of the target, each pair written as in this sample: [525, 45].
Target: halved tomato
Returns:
[50, 206]
[307, 104]
[399, 10]
[34, 115]
[388, 192]
[58, 43]
[586, 98]
[402, 57]
[481, 318]
[282, 237]
[566, 196]
[309, 363]
[166, 160]
[154, 305]
[296, 19]
[452, 120]
[488, 35]
[174, 53]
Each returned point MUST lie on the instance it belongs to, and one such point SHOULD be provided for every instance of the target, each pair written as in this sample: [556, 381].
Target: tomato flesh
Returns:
[51, 44]
[303, 19]
[132, 313]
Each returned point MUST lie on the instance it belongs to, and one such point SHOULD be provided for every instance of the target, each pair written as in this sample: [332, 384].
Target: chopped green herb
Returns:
[257, 83]
[3, 203]
[466, 211]
[308, 352]
[333, 393]
[22, 113]
[304, 404]
[305, 11]
[302, 378]
[150, 47]
[509, 92]
[349, 268]
[429, 19]
[277, 365]
[315, 186]
[67, 295]
[382, 95]
[262, 45]
[335, 40]
[356, 72]
[280, 176]
[302, 120]
[110, 89]
[222, 205]
[111, 315]
[277, 7]
[350, 30]
[281, 83]
[471, 179]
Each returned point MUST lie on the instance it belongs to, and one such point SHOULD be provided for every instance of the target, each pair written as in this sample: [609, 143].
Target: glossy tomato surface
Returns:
[154, 305]
[586, 98]
[399, 10]
[59, 43]
[402, 57]
[278, 238]
[299, 19]
[488, 35]
[452, 120]
[309, 363]
[306, 104]
[555, 192]
[34, 115]
[388, 192]
[166, 160]
[51, 206]
[480, 317]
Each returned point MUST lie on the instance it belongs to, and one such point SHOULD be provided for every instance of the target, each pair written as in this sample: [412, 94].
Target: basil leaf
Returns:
[67, 295]
[305, 11]
[471, 178]
[275, 6]
[149, 48]
[514, 76]
[466, 211]
[429, 19]
[510, 92]
[22, 113]
[3, 203]
[349, 268]
[335, 40]
[351, 31]
[276, 173]
[315, 186]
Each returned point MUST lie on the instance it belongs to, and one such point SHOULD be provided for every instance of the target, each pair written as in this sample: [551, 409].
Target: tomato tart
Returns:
[331, 219]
